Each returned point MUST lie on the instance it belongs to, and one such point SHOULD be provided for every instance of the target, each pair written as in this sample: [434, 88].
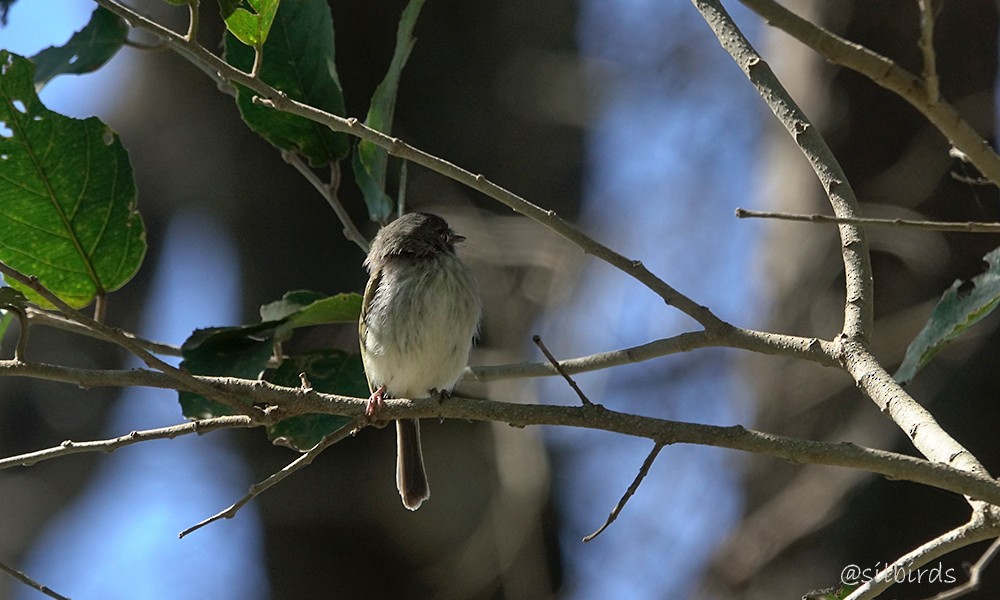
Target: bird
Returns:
[419, 318]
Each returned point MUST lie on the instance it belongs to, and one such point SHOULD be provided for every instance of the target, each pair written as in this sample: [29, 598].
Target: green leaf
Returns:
[298, 59]
[86, 51]
[342, 308]
[302, 308]
[225, 352]
[328, 371]
[249, 20]
[289, 304]
[369, 161]
[955, 312]
[67, 196]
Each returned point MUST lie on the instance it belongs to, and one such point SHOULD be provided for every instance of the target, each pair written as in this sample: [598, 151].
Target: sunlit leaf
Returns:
[249, 20]
[67, 196]
[342, 308]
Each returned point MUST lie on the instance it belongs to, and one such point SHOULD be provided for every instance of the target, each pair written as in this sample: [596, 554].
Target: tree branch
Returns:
[916, 422]
[268, 96]
[975, 574]
[859, 307]
[976, 530]
[966, 227]
[932, 84]
[56, 321]
[110, 445]
[120, 338]
[889, 75]
[296, 401]
[274, 479]
[28, 581]
[329, 192]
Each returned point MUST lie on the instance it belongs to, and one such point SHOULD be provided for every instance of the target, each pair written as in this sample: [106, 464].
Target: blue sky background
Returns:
[670, 157]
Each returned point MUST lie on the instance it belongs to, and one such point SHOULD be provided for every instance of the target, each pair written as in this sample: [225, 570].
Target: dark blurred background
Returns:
[624, 116]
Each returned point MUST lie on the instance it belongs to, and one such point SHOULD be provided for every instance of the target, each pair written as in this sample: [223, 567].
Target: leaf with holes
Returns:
[67, 196]
[86, 51]
[249, 20]
[954, 314]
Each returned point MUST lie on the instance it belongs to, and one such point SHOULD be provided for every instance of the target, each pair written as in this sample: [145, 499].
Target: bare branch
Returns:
[274, 479]
[295, 401]
[329, 192]
[643, 471]
[57, 321]
[268, 96]
[110, 445]
[976, 530]
[28, 581]
[975, 575]
[916, 422]
[967, 227]
[118, 337]
[926, 44]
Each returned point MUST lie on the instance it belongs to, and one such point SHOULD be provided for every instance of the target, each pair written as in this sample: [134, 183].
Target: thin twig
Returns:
[401, 194]
[28, 581]
[120, 338]
[193, 21]
[967, 227]
[21, 346]
[555, 364]
[38, 316]
[100, 307]
[329, 192]
[931, 81]
[975, 575]
[110, 445]
[643, 471]
[274, 479]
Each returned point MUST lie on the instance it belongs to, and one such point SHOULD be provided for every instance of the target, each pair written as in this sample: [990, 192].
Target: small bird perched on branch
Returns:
[419, 317]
